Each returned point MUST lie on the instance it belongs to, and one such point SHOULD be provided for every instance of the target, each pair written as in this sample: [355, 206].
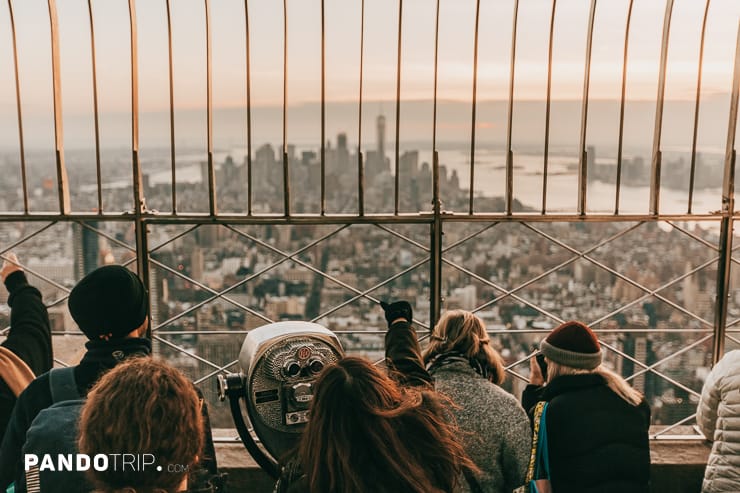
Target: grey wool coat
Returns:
[718, 416]
[495, 428]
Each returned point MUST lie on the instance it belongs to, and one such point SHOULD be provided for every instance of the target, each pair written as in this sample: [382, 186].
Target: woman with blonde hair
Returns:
[597, 425]
[467, 369]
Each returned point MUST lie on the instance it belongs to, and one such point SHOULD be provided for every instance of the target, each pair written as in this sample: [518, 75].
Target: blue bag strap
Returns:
[63, 385]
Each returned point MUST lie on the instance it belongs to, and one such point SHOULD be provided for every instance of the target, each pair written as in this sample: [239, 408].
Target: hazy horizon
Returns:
[453, 125]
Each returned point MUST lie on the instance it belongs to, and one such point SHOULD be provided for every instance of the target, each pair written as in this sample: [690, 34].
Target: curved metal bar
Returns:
[435, 256]
[212, 199]
[582, 158]
[62, 181]
[510, 118]
[398, 105]
[660, 102]
[728, 209]
[142, 250]
[286, 174]
[360, 167]
[249, 108]
[436, 77]
[24, 181]
[621, 107]
[95, 106]
[323, 111]
[171, 73]
[696, 107]
[475, 106]
[547, 107]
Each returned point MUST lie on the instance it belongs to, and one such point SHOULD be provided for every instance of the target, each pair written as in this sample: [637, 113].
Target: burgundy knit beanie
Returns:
[573, 344]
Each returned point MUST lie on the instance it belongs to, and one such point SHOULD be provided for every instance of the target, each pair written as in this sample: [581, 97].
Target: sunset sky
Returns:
[343, 49]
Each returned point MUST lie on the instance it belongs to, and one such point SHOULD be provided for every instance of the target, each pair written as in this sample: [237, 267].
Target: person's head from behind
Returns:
[110, 303]
[367, 434]
[572, 348]
[463, 333]
[143, 406]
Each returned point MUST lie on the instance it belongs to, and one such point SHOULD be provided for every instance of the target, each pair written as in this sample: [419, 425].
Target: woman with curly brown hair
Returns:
[368, 434]
[145, 407]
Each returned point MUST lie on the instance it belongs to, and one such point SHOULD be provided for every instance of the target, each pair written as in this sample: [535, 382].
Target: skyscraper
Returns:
[381, 137]
[87, 249]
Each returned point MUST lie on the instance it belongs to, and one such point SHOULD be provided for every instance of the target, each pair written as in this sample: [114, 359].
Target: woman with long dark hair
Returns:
[377, 432]
[368, 434]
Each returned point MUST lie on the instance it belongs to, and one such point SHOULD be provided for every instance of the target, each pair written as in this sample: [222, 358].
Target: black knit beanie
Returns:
[109, 303]
[573, 344]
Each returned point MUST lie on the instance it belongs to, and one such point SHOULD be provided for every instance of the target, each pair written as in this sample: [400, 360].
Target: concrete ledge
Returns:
[677, 467]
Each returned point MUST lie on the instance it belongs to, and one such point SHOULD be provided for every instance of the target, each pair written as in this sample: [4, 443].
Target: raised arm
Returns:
[30, 331]
[402, 351]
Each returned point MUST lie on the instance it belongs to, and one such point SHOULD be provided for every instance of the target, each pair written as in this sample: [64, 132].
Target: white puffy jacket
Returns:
[718, 417]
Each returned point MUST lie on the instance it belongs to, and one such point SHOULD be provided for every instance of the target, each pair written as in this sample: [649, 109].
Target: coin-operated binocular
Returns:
[279, 364]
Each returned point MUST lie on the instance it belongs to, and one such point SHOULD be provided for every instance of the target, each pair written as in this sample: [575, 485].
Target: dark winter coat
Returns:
[29, 337]
[597, 441]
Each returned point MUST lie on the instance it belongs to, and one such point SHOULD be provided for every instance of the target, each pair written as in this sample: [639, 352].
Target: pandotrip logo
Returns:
[99, 462]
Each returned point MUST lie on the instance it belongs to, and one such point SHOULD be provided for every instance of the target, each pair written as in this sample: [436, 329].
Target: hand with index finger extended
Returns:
[399, 309]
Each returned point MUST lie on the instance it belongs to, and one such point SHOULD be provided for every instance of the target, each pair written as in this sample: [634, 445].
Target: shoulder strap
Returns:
[543, 456]
[539, 412]
[14, 371]
[63, 385]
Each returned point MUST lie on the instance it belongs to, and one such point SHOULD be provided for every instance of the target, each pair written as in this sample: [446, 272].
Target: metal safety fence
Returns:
[326, 235]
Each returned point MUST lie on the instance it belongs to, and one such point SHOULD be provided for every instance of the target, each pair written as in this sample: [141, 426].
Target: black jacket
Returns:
[100, 357]
[29, 337]
[597, 441]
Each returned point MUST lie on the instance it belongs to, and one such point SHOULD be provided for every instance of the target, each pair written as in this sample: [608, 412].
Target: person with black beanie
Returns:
[110, 306]
[26, 352]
